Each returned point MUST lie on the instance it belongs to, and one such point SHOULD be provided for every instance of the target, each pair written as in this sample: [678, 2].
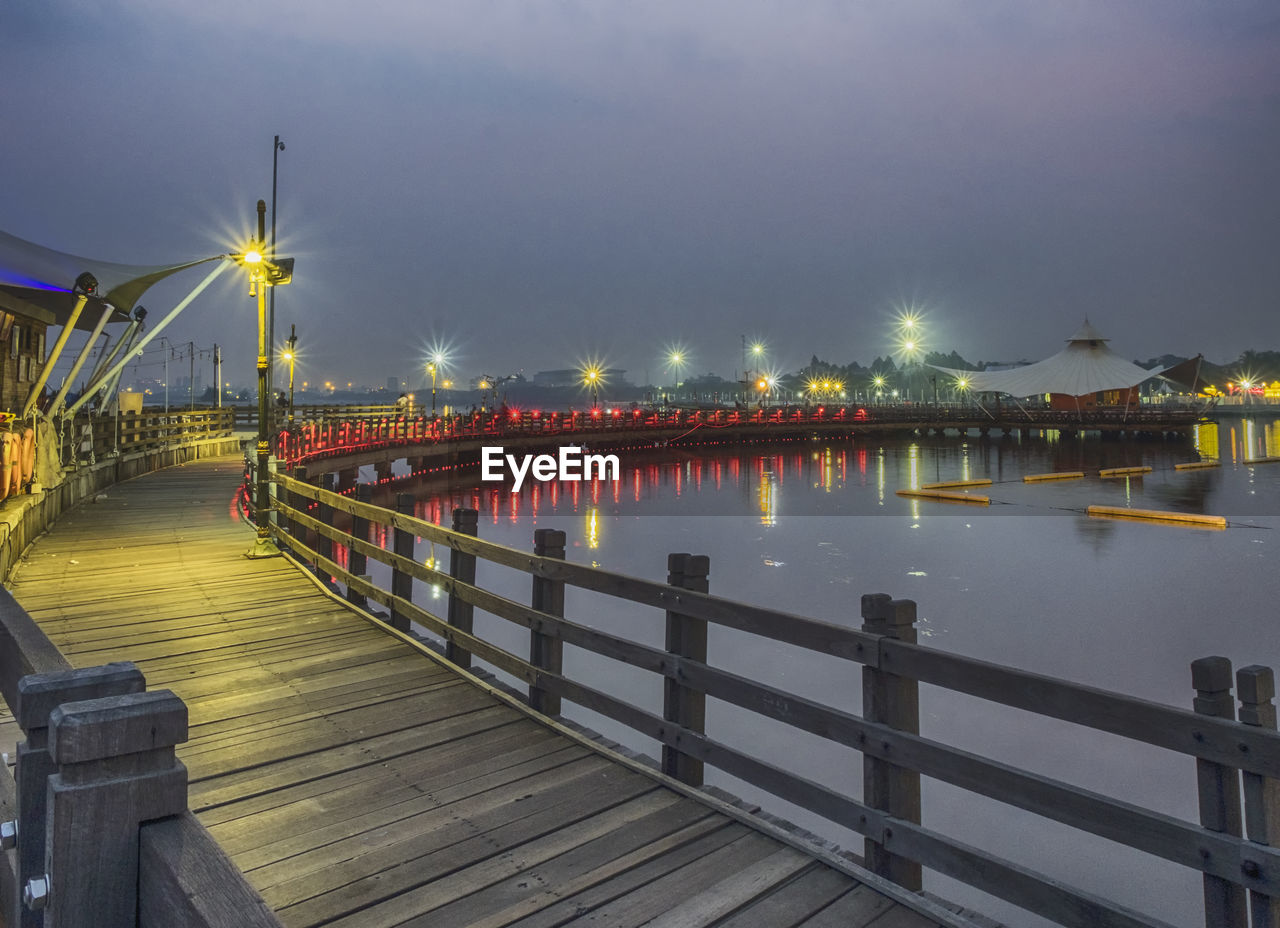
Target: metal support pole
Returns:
[277, 146]
[56, 405]
[70, 324]
[262, 545]
[118, 367]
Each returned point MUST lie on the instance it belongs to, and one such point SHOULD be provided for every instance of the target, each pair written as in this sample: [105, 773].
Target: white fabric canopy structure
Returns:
[36, 282]
[1085, 366]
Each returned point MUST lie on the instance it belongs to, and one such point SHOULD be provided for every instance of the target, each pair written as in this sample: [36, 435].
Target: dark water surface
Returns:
[1030, 581]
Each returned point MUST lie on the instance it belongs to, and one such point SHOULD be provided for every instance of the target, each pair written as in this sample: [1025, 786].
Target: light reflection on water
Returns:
[1031, 581]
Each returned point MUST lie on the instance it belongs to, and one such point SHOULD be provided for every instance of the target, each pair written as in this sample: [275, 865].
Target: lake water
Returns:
[1030, 581]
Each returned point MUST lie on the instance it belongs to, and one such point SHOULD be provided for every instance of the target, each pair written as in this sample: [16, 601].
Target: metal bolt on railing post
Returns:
[35, 895]
[9, 835]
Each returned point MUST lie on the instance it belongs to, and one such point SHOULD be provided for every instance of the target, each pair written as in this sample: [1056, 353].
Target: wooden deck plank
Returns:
[534, 887]
[420, 904]
[651, 899]
[217, 787]
[359, 783]
[293, 827]
[735, 891]
[321, 739]
[794, 902]
[857, 908]
[402, 768]
[366, 866]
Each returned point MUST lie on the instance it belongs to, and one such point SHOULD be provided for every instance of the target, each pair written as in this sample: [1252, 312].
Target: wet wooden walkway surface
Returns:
[358, 782]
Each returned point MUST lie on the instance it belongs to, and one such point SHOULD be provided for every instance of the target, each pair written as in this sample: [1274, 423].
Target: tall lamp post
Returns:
[263, 274]
[433, 368]
[291, 355]
[276, 147]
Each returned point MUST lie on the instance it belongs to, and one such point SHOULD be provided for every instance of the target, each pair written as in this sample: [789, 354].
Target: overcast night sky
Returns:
[535, 184]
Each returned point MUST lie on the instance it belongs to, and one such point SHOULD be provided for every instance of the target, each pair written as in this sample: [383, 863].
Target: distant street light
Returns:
[591, 377]
[434, 366]
[291, 355]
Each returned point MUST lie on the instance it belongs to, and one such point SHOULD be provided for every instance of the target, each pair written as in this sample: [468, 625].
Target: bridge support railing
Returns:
[686, 638]
[883, 732]
[892, 700]
[546, 652]
[96, 815]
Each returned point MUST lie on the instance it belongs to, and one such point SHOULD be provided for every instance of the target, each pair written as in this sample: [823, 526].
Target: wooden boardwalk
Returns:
[359, 782]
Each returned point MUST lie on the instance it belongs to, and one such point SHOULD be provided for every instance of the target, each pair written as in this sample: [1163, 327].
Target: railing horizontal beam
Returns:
[1248, 748]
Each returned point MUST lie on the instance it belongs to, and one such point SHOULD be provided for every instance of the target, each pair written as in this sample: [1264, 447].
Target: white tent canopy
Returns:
[1085, 366]
[37, 282]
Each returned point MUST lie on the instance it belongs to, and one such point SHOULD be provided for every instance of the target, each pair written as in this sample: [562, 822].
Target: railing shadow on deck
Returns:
[1237, 762]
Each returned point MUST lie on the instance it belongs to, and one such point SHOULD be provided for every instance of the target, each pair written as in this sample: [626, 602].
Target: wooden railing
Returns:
[91, 438]
[97, 814]
[1231, 756]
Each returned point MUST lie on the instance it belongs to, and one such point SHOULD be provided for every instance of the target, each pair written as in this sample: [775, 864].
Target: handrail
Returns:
[93, 437]
[1234, 860]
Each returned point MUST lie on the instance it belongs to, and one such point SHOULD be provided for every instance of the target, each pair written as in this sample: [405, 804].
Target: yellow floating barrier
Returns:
[1155, 515]
[1122, 471]
[945, 497]
[1261, 460]
[1197, 465]
[983, 482]
[1060, 475]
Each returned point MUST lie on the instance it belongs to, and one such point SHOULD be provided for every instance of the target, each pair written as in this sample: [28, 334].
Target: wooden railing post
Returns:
[39, 694]
[687, 638]
[358, 562]
[546, 652]
[1219, 791]
[891, 700]
[1256, 686]
[402, 544]
[116, 770]
[462, 567]
[297, 502]
[324, 544]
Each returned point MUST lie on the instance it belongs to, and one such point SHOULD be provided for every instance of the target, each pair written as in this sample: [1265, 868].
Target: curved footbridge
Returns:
[357, 779]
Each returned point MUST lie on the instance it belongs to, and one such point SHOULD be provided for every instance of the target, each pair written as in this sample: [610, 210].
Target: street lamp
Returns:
[263, 273]
[276, 147]
[434, 366]
[591, 377]
[291, 355]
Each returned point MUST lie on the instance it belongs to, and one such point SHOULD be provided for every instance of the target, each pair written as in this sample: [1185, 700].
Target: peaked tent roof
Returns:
[1086, 365]
[36, 282]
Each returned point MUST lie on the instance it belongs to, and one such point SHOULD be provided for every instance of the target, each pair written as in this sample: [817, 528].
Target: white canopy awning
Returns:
[36, 282]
